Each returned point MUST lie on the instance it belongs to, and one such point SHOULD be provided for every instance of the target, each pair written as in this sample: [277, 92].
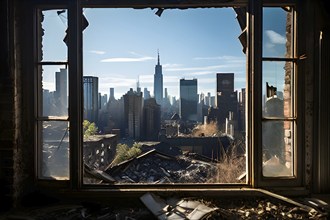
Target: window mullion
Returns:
[75, 92]
[254, 96]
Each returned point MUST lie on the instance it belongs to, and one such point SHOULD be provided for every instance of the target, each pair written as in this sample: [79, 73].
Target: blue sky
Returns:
[120, 47]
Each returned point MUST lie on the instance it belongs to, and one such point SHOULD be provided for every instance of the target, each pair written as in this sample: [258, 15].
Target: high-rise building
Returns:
[241, 109]
[226, 97]
[158, 83]
[146, 93]
[188, 99]
[212, 101]
[61, 93]
[166, 105]
[103, 99]
[151, 117]
[230, 124]
[138, 88]
[47, 104]
[202, 109]
[202, 98]
[166, 93]
[133, 109]
[112, 94]
[91, 95]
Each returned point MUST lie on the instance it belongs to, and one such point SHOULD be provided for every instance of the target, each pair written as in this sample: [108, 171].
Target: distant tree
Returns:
[89, 128]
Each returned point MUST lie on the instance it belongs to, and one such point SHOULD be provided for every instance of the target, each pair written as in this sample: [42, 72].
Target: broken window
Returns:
[52, 95]
[278, 83]
[166, 94]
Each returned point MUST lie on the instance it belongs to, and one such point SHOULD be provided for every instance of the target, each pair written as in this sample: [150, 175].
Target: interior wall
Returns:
[7, 126]
[322, 131]
[17, 98]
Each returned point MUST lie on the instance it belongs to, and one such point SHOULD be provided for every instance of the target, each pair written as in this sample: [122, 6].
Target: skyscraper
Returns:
[151, 117]
[61, 93]
[226, 98]
[188, 99]
[241, 109]
[91, 95]
[112, 94]
[146, 93]
[158, 83]
[133, 108]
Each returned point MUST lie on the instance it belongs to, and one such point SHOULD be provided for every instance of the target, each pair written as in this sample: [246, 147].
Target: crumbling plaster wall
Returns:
[16, 132]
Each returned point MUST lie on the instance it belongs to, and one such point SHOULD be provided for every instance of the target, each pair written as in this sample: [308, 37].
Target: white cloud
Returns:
[171, 79]
[118, 82]
[204, 68]
[99, 52]
[269, 46]
[201, 73]
[171, 65]
[126, 59]
[225, 58]
[275, 37]
[207, 80]
[138, 58]
[240, 79]
[146, 78]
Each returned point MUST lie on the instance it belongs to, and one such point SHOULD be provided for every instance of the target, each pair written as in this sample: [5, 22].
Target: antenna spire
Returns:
[158, 57]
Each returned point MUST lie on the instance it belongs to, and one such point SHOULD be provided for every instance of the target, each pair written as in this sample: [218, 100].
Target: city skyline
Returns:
[120, 47]
[194, 43]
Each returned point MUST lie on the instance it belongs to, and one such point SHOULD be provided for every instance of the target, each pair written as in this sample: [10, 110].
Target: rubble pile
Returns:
[262, 208]
[170, 208]
[155, 167]
[84, 211]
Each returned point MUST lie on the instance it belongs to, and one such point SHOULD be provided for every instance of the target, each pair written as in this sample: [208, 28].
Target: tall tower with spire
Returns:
[158, 83]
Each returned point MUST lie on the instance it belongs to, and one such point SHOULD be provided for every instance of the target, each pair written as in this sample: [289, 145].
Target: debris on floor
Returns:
[152, 206]
[175, 209]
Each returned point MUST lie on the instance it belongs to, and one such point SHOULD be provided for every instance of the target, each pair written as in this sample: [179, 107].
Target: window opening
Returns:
[278, 85]
[52, 109]
[164, 96]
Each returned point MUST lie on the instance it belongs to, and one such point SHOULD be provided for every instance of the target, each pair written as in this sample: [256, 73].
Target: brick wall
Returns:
[7, 127]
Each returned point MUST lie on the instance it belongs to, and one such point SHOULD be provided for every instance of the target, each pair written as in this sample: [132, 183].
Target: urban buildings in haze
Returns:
[91, 98]
[61, 93]
[112, 94]
[133, 113]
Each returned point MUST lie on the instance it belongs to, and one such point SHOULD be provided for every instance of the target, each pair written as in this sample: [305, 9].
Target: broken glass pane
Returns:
[53, 35]
[277, 147]
[54, 91]
[277, 89]
[277, 32]
[55, 150]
